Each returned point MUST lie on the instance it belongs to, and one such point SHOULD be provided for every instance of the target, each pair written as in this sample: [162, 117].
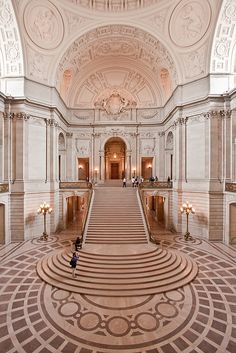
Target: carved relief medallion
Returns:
[189, 22]
[44, 24]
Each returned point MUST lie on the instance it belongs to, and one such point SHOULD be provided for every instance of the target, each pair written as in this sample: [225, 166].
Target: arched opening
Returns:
[115, 158]
[75, 212]
[147, 168]
[2, 224]
[232, 223]
[61, 156]
[169, 150]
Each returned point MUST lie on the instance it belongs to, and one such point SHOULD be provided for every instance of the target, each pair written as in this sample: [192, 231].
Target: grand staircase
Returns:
[116, 218]
[117, 258]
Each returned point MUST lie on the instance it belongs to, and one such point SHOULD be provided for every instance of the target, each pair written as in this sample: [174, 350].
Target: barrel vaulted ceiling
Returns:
[141, 49]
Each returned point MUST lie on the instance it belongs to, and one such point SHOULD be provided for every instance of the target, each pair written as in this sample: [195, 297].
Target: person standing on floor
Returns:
[124, 183]
[73, 263]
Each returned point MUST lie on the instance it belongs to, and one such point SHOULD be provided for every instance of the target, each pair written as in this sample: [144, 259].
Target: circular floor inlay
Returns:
[147, 322]
[89, 321]
[60, 294]
[174, 295]
[118, 326]
[166, 310]
[69, 309]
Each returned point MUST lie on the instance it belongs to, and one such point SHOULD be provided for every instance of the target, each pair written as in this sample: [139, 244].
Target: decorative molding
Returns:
[51, 122]
[115, 104]
[43, 23]
[69, 134]
[114, 6]
[156, 185]
[218, 114]
[230, 187]
[75, 185]
[225, 34]
[18, 116]
[10, 44]
[4, 188]
[189, 22]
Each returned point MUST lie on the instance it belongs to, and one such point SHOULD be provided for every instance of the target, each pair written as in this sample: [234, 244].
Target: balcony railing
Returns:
[4, 188]
[231, 187]
[156, 185]
[75, 185]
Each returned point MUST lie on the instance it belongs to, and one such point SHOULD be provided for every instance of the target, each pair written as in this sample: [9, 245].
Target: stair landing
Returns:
[117, 258]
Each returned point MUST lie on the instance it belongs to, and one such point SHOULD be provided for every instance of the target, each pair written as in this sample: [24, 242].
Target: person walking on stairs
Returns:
[73, 263]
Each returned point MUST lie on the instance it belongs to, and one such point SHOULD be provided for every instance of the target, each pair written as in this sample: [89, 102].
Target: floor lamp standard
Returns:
[44, 209]
[187, 208]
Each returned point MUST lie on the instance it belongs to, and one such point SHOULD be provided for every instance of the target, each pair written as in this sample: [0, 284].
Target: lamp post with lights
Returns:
[187, 208]
[44, 209]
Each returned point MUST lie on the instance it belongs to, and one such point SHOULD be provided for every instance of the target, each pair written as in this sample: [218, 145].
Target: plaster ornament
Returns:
[115, 104]
[194, 63]
[229, 13]
[222, 48]
[126, 41]
[44, 24]
[189, 22]
[147, 147]
[83, 147]
[37, 66]
[5, 14]
[12, 51]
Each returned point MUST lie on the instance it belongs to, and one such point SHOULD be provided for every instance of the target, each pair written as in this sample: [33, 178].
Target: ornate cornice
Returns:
[51, 122]
[17, 116]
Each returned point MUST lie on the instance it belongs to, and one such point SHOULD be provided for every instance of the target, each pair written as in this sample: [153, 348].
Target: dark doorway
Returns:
[114, 170]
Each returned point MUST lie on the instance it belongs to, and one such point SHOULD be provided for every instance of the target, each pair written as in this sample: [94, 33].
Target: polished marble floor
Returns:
[37, 317]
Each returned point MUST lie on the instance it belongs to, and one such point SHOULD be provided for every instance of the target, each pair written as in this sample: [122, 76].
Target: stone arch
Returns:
[78, 48]
[2, 223]
[12, 61]
[232, 223]
[61, 157]
[170, 140]
[61, 142]
[115, 153]
[169, 155]
[223, 47]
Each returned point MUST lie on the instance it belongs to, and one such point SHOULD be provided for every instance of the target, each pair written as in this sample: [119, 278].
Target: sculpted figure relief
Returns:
[189, 22]
[44, 24]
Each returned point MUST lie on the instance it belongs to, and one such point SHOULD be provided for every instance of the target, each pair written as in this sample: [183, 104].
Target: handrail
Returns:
[156, 185]
[151, 238]
[85, 219]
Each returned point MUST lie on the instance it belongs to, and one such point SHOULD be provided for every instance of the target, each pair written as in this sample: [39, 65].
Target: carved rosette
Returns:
[43, 24]
[189, 22]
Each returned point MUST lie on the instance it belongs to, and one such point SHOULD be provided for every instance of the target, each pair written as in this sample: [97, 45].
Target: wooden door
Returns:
[114, 170]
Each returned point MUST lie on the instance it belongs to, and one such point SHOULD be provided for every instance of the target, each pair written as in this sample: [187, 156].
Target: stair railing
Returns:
[87, 212]
[151, 237]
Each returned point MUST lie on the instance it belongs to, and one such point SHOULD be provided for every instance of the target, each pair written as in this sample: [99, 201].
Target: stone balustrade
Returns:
[156, 185]
[75, 185]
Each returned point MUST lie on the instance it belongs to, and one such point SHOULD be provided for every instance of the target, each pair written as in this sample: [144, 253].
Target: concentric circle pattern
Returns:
[150, 272]
[198, 317]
